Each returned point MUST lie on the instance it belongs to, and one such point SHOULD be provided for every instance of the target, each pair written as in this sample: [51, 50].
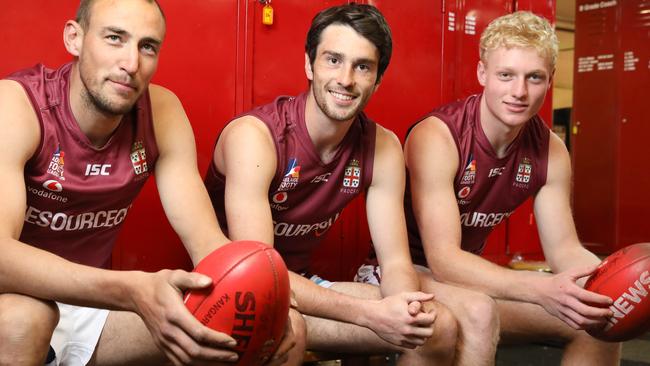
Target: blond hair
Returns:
[520, 29]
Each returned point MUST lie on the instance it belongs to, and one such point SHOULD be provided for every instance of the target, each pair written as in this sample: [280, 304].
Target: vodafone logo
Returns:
[53, 185]
[280, 197]
[463, 193]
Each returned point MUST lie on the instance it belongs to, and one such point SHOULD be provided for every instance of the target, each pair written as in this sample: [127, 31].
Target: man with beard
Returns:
[283, 172]
[78, 143]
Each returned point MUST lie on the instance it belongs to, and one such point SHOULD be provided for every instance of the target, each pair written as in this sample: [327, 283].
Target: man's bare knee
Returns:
[26, 326]
[26, 317]
[445, 333]
[299, 328]
[479, 315]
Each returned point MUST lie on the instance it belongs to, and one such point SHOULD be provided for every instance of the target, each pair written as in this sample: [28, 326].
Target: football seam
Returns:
[214, 284]
[605, 279]
[275, 282]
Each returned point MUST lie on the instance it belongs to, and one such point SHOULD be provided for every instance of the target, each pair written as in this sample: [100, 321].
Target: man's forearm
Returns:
[44, 275]
[399, 279]
[325, 303]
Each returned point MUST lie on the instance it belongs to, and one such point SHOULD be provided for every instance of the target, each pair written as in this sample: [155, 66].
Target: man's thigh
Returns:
[523, 322]
[453, 297]
[126, 341]
[519, 322]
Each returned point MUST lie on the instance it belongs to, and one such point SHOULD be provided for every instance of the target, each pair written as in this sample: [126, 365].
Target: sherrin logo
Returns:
[624, 304]
[53, 185]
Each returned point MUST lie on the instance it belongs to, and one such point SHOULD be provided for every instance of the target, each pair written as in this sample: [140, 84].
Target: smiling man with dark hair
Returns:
[283, 172]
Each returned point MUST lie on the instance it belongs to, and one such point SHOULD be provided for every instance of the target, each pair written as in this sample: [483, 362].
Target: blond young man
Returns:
[471, 163]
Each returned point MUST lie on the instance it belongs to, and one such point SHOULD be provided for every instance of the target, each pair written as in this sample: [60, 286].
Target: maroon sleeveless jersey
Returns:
[488, 189]
[78, 195]
[306, 196]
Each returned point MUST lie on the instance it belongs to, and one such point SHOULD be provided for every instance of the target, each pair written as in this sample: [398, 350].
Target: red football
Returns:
[625, 277]
[248, 299]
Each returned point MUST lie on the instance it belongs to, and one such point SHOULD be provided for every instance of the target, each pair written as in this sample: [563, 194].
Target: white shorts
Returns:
[369, 273]
[319, 281]
[76, 335]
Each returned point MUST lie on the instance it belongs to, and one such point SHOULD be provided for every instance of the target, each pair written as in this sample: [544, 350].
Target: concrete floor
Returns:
[635, 353]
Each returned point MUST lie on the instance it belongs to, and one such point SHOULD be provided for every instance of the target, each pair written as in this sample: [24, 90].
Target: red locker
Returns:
[198, 62]
[633, 192]
[523, 237]
[276, 67]
[410, 87]
[405, 94]
[32, 32]
[464, 21]
[611, 198]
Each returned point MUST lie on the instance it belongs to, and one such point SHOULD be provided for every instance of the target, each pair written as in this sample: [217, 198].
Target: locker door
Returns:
[522, 230]
[276, 53]
[409, 89]
[411, 85]
[634, 76]
[546, 9]
[274, 65]
[32, 32]
[595, 133]
[464, 21]
[198, 63]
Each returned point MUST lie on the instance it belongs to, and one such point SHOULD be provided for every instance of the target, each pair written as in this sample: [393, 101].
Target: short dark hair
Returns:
[83, 12]
[364, 19]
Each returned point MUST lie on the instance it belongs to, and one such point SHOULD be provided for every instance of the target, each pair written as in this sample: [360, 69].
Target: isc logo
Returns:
[495, 172]
[321, 178]
[97, 169]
